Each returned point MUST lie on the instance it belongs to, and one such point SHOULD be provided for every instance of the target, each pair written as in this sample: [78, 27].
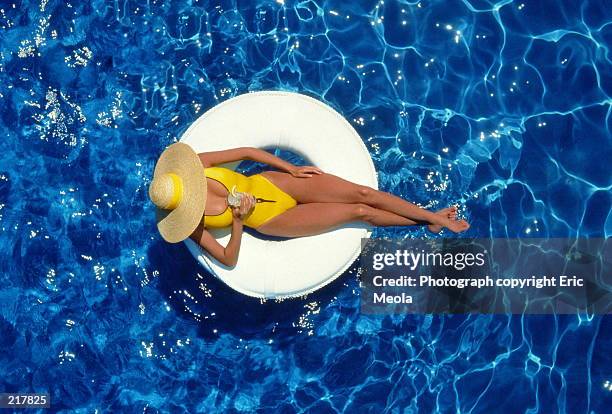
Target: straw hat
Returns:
[178, 189]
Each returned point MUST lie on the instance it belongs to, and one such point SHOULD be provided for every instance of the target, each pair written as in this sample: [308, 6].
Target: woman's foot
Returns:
[449, 213]
[454, 225]
[458, 226]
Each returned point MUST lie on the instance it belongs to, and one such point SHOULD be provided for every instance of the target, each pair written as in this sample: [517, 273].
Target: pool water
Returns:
[502, 108]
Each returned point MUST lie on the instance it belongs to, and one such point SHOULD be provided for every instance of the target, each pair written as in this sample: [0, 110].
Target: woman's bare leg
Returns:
[316, 218]
[328, 188]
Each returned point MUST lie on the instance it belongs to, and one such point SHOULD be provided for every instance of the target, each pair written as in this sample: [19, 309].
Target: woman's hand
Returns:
[304, 171]
[246, 205]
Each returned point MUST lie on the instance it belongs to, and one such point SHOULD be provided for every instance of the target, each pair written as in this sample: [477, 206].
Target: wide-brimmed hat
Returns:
[178, 189]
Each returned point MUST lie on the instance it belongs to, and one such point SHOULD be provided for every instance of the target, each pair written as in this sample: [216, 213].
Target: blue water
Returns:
[503, 108]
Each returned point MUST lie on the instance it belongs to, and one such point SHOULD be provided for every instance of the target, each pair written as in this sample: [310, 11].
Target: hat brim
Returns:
[177, 224]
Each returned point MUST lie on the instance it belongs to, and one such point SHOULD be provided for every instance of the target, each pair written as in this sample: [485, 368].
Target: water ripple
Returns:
[500, 107]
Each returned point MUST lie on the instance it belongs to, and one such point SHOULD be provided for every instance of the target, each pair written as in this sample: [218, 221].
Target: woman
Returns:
[192, 195]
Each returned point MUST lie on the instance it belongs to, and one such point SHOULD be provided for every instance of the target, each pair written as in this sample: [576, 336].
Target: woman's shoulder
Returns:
[221, 169]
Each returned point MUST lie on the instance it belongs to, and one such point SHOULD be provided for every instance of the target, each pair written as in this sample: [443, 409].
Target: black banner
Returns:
[517, 276]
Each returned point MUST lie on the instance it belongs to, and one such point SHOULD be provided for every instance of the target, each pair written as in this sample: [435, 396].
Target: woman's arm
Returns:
[227, 255]
[255, 154]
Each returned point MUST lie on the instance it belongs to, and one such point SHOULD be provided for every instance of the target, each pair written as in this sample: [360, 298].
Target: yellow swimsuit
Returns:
[272, 201]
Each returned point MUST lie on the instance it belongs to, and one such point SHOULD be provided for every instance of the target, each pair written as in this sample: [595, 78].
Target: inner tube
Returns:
[320, 135]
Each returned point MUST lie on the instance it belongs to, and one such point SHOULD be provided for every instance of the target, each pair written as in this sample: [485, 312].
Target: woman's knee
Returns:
[365, 194]
[363, 212]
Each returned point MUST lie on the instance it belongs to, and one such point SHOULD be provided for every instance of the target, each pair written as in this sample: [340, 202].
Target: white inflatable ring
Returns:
[305, 126]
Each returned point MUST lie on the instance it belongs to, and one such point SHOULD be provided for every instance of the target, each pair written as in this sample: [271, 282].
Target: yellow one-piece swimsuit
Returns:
[271, 200]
